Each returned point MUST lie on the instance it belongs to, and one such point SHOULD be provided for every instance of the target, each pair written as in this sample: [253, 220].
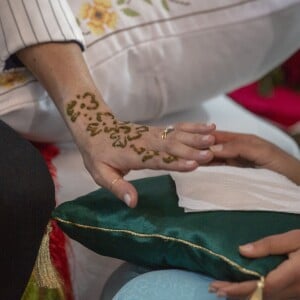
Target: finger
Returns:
[226, 136]
[188, 153]
[247, 146]
[285, 275]
[173, 146]
[197, 141]
[291, 292]
[216, 285]
[273, 245]
[235, 290]
[233, 149]
[140, 158]
[195, 127]
[112, 179]
[156, 160]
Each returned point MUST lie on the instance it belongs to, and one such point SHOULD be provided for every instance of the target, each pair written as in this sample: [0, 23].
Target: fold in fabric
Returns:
[233, 188]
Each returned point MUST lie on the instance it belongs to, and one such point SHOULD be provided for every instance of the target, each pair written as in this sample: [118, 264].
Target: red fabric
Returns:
[282, 107]
[57, 238]
[59, 258]
[291, 69]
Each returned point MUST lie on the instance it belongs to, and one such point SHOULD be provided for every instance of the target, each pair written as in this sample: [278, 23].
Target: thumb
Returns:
[272, 245]
[236, 148]
[112, 179]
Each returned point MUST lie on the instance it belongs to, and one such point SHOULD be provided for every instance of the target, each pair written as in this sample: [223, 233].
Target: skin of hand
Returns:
[111, 148]
[245, 149]
[283, 283]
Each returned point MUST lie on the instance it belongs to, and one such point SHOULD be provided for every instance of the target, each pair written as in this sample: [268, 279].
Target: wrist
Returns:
[86, 114]
[296, 173]
[292, 169]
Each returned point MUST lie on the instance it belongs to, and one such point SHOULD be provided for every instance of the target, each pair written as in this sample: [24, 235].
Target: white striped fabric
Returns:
[28, 22]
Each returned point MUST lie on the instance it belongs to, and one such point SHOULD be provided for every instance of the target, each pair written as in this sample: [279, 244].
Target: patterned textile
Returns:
[57, 244]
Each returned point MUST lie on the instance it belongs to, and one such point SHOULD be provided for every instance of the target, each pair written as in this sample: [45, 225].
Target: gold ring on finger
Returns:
[115, 181]
[166, 131]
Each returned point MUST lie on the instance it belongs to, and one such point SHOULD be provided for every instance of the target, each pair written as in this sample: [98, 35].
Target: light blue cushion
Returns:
[166, 285]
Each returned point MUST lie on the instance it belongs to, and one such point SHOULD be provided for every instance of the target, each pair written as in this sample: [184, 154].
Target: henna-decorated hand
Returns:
[111, 148]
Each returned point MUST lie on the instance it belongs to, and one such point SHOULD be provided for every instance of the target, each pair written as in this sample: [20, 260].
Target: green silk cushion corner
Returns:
[158, 233]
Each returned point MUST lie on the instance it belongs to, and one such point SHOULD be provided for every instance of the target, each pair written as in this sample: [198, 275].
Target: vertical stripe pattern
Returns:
[28, 22]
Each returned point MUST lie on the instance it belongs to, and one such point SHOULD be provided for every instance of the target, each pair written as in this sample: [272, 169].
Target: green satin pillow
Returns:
[159, 234]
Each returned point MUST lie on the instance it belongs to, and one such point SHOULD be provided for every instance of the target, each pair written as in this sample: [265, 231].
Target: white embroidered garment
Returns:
[27, 23]
[233, 188]
[148, 58]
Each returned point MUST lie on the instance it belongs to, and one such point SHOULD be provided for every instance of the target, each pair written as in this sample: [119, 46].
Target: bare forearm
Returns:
[111, 148]
[62, 70]
[293, 170]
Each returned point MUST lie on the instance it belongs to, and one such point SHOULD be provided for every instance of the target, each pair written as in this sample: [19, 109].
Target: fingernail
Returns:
[190, 162]
[127, 199]
[216, 148]
[212, 289]
[206, 138]
[203, 153]
[247, 247]
[221, 294]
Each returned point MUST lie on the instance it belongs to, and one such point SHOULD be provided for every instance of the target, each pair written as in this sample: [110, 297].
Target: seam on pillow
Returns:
[165, 238]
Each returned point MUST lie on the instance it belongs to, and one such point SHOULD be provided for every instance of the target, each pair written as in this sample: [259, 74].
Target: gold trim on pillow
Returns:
[165, 238]
[257, 295]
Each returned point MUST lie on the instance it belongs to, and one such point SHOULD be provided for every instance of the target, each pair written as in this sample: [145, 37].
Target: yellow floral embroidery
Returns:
[11, 78]
[99, 16]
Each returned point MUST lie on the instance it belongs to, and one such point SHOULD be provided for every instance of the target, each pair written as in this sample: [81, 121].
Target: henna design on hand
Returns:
[149, 155]
[138, 133]
[94, 104]
[93, 128]
[71, 112]
[137, 150]
[169, 159]
[120, 133]
[105, 114]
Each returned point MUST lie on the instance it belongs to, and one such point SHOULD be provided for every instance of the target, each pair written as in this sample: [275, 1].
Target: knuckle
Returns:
[250, 139]
[267, 292]
[191, 154]
[97, 178]
[256, 141]
[180, 125]
[297, 275]
[158, 162]
[153, 163]
[268, 289]
[170, 145]
[266, 245]
[296, 234]
[196, 139]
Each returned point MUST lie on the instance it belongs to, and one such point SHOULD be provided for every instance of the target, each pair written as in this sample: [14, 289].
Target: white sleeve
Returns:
[28, 22]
